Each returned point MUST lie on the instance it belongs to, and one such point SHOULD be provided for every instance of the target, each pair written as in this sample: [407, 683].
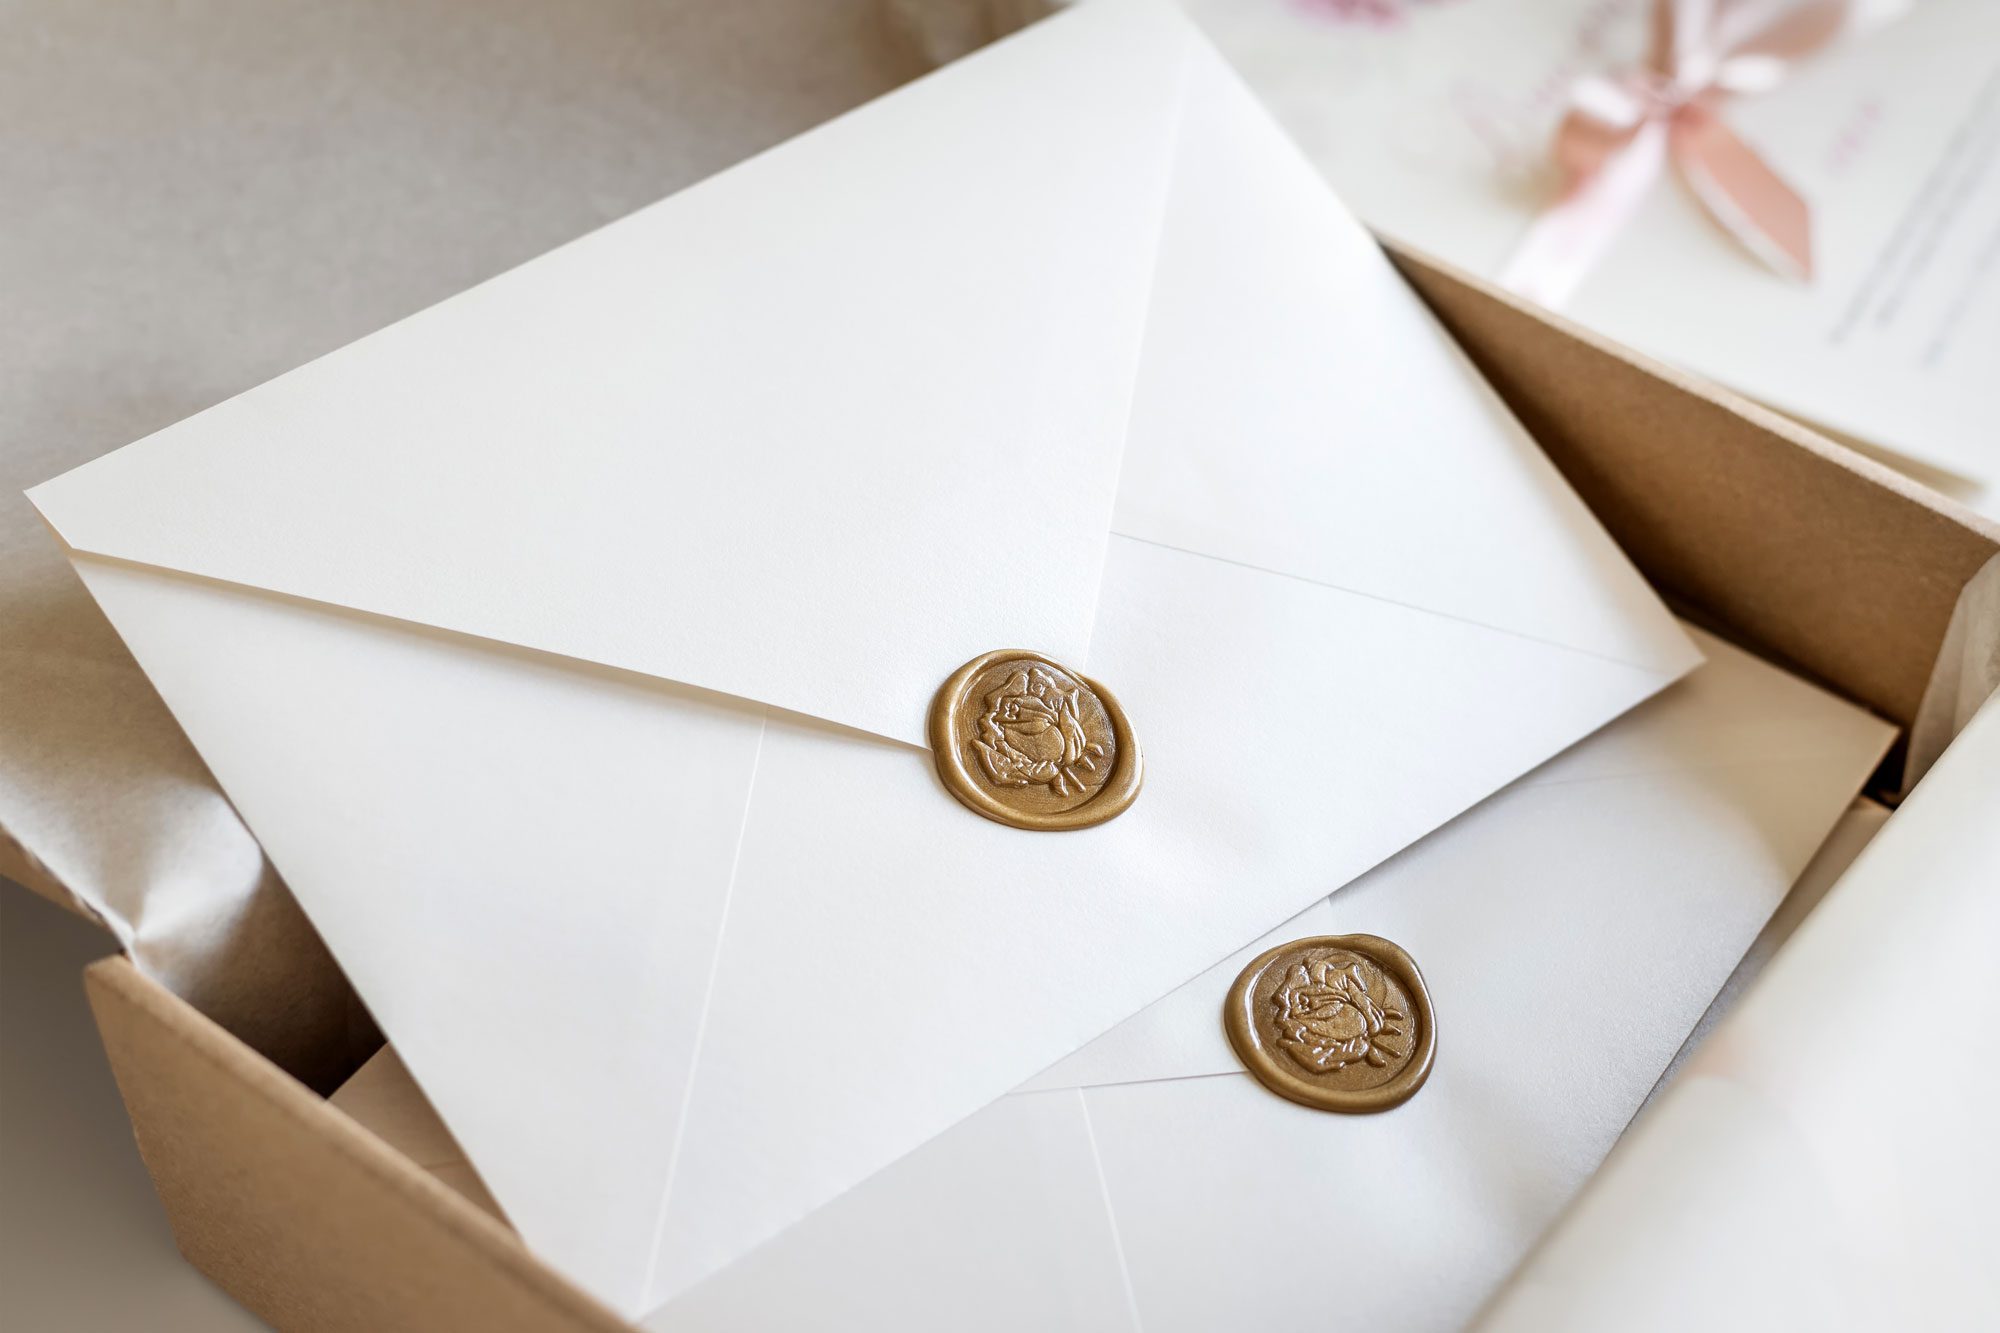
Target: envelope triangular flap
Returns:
[786, 435]
[1300, 410]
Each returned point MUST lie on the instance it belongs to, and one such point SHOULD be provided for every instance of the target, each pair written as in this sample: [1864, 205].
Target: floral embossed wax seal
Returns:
[1024, 740]
[1336, 1022]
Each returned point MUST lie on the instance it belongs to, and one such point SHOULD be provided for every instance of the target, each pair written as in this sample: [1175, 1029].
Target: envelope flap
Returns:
[599, 454]
[1299, 412]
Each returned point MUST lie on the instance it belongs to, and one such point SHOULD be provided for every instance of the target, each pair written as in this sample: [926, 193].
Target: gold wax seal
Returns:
[1024, 740]
[1335, 1022]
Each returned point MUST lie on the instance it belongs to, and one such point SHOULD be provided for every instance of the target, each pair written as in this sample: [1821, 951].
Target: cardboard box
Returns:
[1794, 547]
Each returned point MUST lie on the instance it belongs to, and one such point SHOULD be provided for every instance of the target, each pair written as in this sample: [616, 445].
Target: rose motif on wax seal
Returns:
[1334, 1022]
[1024, 740]
[1326, 1015]
[1032, 734]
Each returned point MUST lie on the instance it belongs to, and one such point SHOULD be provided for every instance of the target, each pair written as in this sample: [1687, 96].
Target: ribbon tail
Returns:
[1565, 242]
[1742, 193]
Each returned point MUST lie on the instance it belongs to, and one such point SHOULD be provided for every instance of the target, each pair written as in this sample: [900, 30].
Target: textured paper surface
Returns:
[544, 841]
[203, 195]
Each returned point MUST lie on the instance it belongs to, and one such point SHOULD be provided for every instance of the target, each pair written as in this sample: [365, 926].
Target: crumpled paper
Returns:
[202, 194]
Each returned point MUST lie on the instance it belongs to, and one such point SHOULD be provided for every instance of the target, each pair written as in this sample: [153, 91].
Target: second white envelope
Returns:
[567, 645]
[1571, 929]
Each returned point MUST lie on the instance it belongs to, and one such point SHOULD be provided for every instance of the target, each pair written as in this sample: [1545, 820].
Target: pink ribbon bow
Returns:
[1622, 129]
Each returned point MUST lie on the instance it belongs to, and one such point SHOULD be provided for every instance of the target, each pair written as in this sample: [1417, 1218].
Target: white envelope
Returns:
[566, 644]
[1572, 928]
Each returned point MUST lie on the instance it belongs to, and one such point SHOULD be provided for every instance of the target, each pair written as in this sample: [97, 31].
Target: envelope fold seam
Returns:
[1406, 606]
[1169, 173]
[80, 556]
[701, 1027]
[1110, 1213]
[1148, 1082]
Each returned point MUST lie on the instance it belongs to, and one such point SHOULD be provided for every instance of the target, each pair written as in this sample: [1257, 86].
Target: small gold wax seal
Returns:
[1335, 1022]
[1024, 740]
